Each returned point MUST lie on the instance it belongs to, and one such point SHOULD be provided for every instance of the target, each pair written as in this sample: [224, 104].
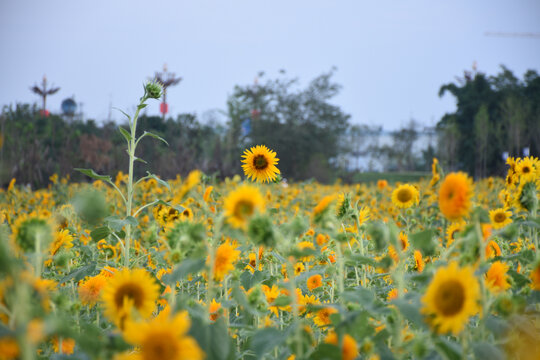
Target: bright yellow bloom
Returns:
[455, 196]
[314, 282]
[225, 257]
[241, 204]
[496, 277]
[349, 348]
[405, 196]
[259, 164]
[451, 298]
[323, 316]
[500, 218]
[164, 337]
[90, 290]
[127, 292]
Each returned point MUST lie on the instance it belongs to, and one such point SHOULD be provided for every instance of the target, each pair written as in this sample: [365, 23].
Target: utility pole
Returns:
[43, 92]
[166, 79]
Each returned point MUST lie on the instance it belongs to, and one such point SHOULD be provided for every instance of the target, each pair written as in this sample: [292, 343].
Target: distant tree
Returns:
[301, 125]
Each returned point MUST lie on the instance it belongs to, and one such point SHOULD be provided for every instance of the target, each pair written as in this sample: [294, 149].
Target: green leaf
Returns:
[140, 160]
[159, 181]
[451, 349]
[484, 350]
[80, 273]
[100, 233]
[282, 300]
[147, 133]
[122, 111]
[249, 280]
[423, 241]
[411, 311]
[186, 267]
[265, 340]
[126, 134]
[326, 352]
[356, 260]
[117, 224]
[91, 173]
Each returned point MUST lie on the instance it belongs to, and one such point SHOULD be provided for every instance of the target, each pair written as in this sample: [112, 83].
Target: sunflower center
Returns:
[500, 217]
[243, 209]
[132, 291]
[450, 298]
[404, 195]
[159, 346]
[260, 162]
[526, 169]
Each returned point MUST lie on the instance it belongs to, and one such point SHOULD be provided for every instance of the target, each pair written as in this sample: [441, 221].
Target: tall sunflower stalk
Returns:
[152, 90]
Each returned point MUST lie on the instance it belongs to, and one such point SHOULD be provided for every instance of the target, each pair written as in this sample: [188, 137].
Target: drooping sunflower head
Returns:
[526, 195]
[455, 196]
[451, 298]
[241, 204]
[130, 292]
[405, 196]
[259, 164]
[500, 218]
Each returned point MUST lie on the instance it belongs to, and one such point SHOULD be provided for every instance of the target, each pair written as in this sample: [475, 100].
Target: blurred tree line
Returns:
[301, 125]
[311, 135]
[495, 115]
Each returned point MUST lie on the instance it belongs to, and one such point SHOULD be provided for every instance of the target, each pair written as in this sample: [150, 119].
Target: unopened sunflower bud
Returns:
[153, 90]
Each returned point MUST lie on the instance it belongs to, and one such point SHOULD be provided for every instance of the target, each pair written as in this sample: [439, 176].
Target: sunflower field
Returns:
[256, 268]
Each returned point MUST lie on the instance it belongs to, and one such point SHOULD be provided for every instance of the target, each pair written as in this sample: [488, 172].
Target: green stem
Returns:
[131, 151]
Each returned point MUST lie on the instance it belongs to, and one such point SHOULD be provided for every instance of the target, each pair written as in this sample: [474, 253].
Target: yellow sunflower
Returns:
[453, 230]
[419, 261]
[323, 316]
[451, 298]
[349, 350]
[322, 206]
[535, 277]
[314, 282]
[226, 256]
[455, 196]
[405, 196]
[526, 168]
[241, 204]
[127, 292]
[90, 289]
[500, 218]
[496, 277]
[260, 164]
[164, 337]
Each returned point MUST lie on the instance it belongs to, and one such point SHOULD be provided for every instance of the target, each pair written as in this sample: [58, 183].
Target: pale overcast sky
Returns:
[391, 56]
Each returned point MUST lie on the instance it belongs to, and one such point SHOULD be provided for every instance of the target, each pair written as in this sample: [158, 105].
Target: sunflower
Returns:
[226, 256]
[496, 277]
[419, 261]
[500, 218]
[164, 337]
[526, 168]
[323, 316]
[526, 195]
[453, 230]
[128, 291]
[314, 282]
[90, 290]
[260, 164]
[241, 204]
[455, 196]
[405, 196]
[492, 249]
[535, 277]
[322, 206]
[451, 298]
[349, 348]
[381, 184]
